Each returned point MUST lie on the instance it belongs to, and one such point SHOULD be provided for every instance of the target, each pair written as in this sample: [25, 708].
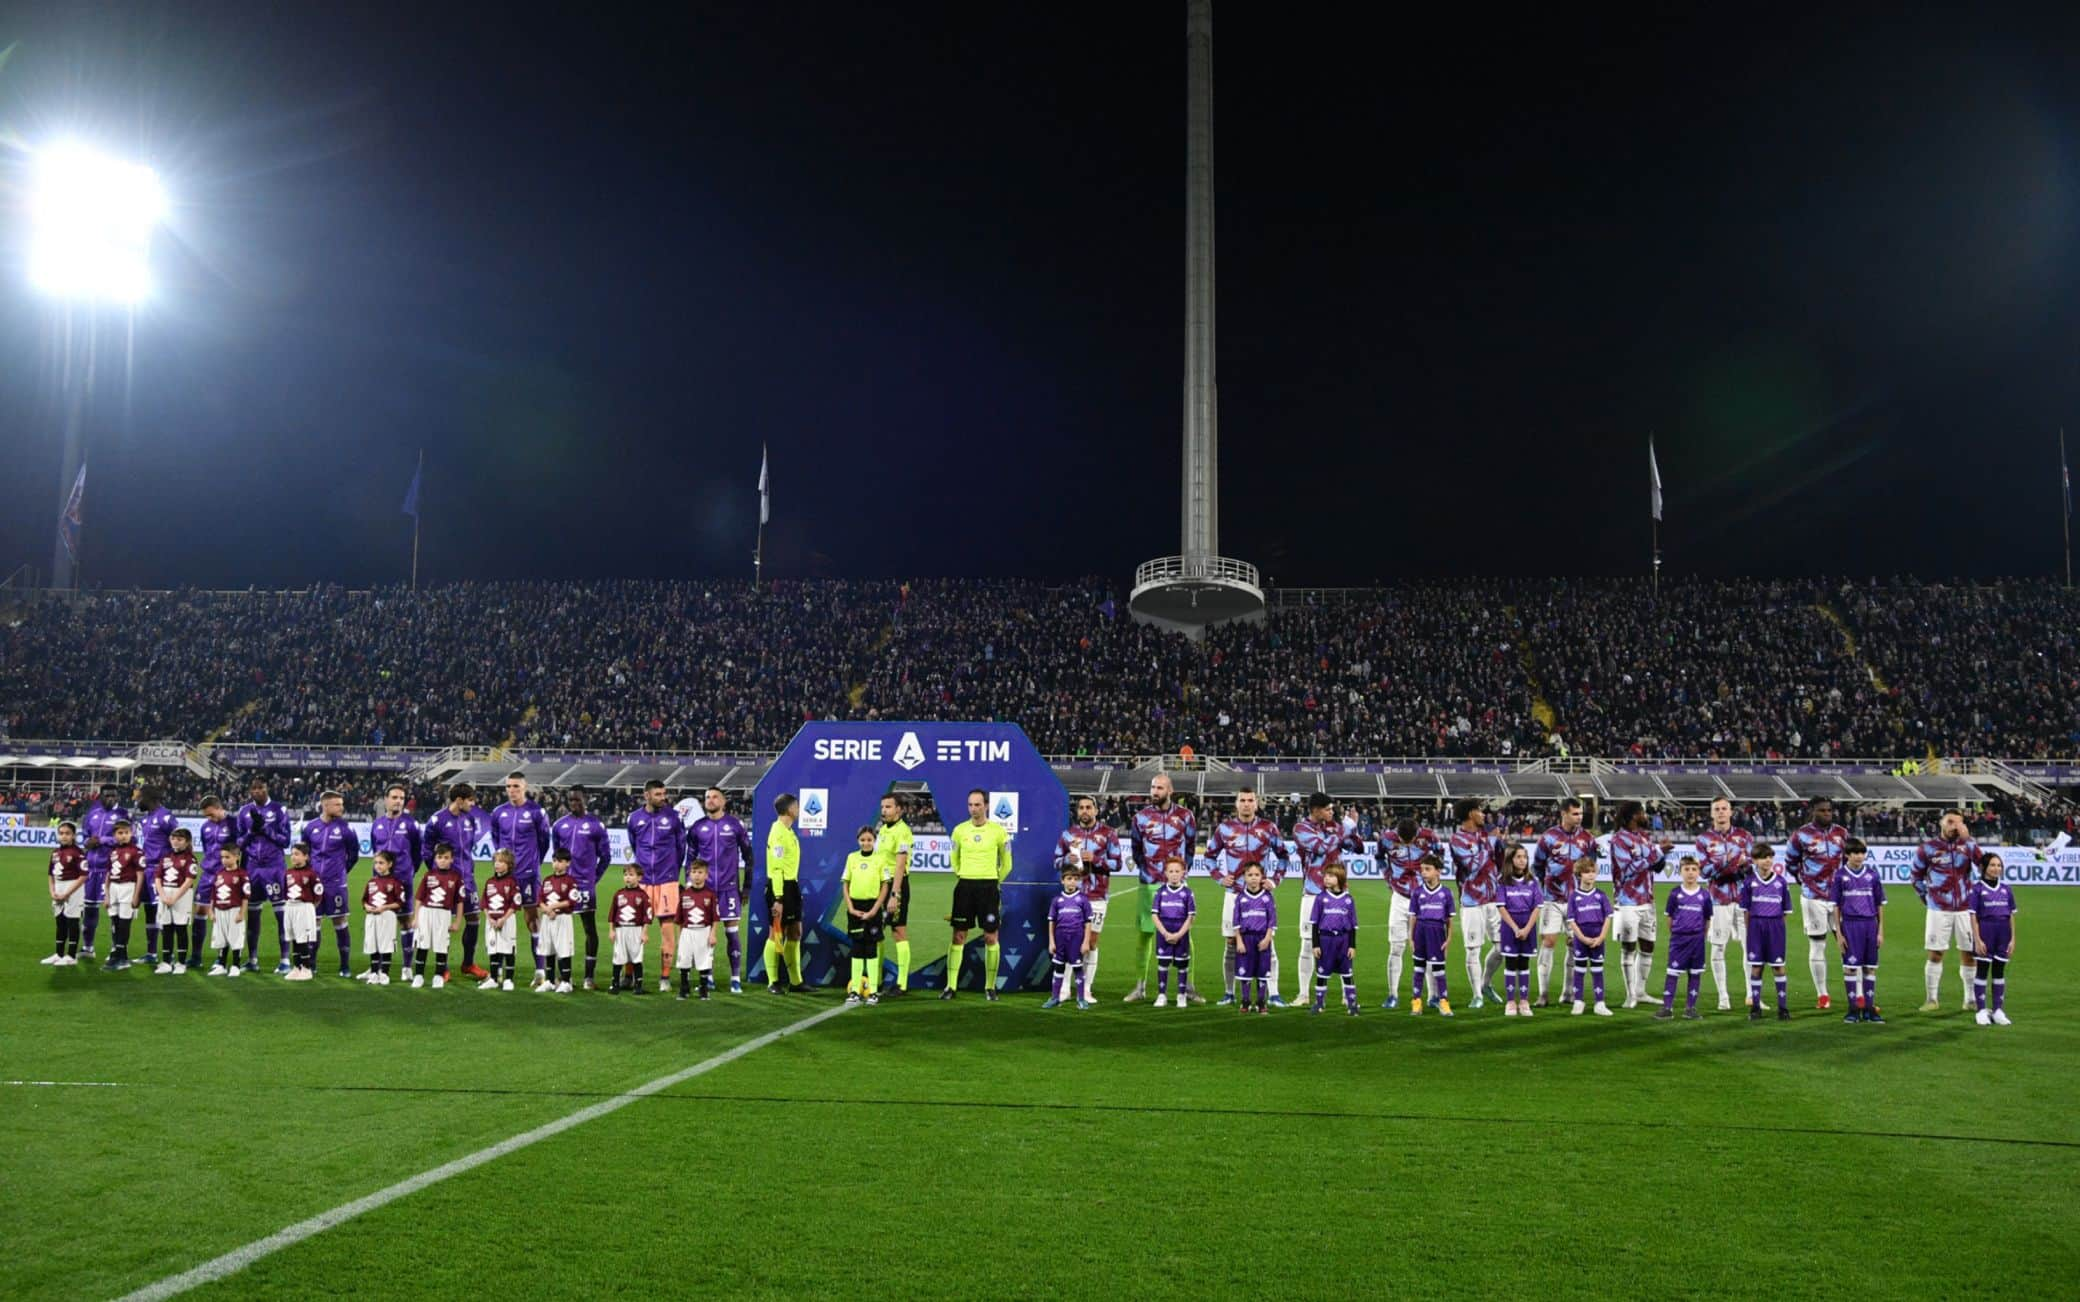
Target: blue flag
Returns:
[411, 495]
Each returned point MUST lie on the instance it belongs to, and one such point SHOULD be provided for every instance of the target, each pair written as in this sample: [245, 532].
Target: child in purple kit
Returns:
[1858, 897]
[1430, 908]
[1256, 921]
[1335, 940]
[1519, 900]
[1068, 939]
[1689, 910]
[1173, 908]
[1765, 898]
[1588, 927]
[1992, 906]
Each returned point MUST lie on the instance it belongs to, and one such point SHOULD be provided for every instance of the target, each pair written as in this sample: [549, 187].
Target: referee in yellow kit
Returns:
[981, 862]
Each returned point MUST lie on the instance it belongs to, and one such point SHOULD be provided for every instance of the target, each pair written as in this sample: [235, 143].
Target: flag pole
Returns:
[765, 499]
[2066, 478]
[415, 522]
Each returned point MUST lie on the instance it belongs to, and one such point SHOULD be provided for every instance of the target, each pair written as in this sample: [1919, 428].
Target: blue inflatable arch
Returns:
[840, 771]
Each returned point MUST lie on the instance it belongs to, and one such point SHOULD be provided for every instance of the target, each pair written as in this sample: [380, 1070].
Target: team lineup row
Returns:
[691, 880]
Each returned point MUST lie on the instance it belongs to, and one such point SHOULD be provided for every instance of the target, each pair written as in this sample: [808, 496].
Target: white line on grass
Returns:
[69, 1084]
[239, 1258]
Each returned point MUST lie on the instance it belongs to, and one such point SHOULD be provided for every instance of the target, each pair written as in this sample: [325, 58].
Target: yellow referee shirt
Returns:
[783, 856]
[981, 853]
[863, 877]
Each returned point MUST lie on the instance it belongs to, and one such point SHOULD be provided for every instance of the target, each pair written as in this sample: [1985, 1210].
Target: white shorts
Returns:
[72, 906]
[695, 949]
[122, 900]
[1227, 914]
[1307, 919]
[1636, 922]
[1945, 930]
[556, 936]
[179, 914]
[1480, 924]
[499, 936]
[1552, 919]
[1397, 919]
[1819, 916]
[1098, 910]
[379, 933]
[226, 930]
[301, 920]
[628, 944]
[1729, 925]
[432, 932]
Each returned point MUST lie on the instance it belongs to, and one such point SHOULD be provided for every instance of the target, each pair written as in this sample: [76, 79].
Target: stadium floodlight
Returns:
[93, 218]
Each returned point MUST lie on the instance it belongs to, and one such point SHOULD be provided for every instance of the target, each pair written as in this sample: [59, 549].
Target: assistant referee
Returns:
[784, 899]
[981, 862]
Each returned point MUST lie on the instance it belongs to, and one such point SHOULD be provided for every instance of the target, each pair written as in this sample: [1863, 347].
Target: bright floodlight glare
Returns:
[93, 219]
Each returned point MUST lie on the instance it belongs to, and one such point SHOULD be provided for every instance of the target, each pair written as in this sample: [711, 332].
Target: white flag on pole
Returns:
[765, 496]
[1654, 473]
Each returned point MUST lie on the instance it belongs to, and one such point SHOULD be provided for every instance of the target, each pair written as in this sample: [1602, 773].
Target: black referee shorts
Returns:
[977, 904]
[898, 911]
[864, 933]
[790, 902]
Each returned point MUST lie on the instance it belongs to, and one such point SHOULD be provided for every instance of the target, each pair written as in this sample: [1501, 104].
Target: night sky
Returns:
[590, 259]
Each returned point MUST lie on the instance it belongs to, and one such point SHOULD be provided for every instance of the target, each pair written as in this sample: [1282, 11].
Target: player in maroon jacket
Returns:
[504, 898]
[229, 894]
[629, 914]
[174, 879]
[439, 915]
[68, 895]
[699, 910]
[126, 874]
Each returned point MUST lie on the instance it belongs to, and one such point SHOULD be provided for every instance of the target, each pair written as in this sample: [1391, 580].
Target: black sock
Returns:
[151, 941]
[121, 945]
[591, 921]
[59, 943]
[198, 938]
[707, 978]
[440, 965]
[686, 981]
[469, 943]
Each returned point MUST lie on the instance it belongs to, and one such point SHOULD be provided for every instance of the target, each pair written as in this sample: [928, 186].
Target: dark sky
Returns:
[590, 258]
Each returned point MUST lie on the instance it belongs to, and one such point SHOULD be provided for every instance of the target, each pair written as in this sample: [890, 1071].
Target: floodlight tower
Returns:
[92, 219]
[1199, 587]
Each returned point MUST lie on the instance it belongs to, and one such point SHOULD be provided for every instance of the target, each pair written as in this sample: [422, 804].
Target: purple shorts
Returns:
[268, 884]
[1252, 961]
[1336, 953]
[530, 888]
[1996, 935]
[470, 902]
[1515, 946]
[1586, 952]
[1765, 942]
[97, 884]
[1068, 945]
[1180, 951]
[1429, 941]
[1686, 952]
[729, 899]
[333, 904]
[1859, 942]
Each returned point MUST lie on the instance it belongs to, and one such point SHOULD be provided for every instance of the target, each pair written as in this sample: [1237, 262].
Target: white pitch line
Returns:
[69, 1084]
[239, 1258]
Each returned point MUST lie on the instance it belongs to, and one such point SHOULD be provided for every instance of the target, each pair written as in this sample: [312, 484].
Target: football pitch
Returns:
[921, 1149]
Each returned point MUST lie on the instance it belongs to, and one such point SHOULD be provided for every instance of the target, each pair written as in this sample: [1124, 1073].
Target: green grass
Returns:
[972, 1150]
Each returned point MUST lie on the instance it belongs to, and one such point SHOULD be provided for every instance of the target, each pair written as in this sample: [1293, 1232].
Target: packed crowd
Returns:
[1733, 669]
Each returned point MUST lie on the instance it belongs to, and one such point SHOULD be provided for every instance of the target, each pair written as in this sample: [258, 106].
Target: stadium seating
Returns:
[1818, 668]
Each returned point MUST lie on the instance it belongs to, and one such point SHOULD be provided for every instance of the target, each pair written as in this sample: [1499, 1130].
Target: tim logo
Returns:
[1003, 808]
[909, 752]
[816, 809]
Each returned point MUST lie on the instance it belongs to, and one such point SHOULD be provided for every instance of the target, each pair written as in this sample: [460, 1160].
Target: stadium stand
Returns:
[1737, 669]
